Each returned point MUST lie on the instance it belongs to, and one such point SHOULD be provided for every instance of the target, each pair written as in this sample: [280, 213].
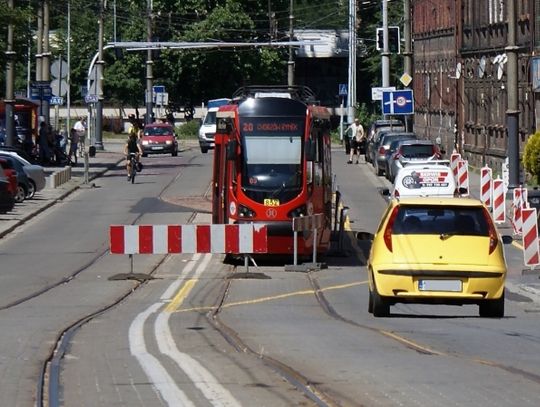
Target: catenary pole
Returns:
[10, 78]
[512, 112]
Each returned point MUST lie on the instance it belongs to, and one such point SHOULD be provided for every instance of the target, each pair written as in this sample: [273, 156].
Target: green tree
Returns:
[531, 156]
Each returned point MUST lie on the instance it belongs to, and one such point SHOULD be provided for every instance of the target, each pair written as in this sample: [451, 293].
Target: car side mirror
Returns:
[507, 239]
[385, 192]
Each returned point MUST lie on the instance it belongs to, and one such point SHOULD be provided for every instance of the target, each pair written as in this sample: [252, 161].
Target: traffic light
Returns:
[394, 40]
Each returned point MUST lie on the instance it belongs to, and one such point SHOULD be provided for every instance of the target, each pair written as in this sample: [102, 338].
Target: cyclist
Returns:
[132, 146]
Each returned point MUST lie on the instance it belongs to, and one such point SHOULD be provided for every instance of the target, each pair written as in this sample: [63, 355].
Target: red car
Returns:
[6, 192]
[11, 175]
[159, 138]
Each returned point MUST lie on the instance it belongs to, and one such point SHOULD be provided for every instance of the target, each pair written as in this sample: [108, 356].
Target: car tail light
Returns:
[388, 230]
[397, 156]
[493, 238]
[382, 150]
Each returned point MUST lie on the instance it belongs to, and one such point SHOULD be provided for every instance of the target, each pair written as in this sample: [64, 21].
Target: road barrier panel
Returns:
[454, 159]
[519, 200]
[463, 176]
[531, 252]
[499, 203]
[486, 186]
[243, 239]
[60, 177]
[305, 224]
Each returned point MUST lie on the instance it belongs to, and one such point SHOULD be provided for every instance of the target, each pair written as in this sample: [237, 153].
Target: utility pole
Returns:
[98, 139]
[512, 112]
[149, 62]
[46, 62]
[351, 88]
[10, 78]
[290, 70]
[407, 49]
[386, 51]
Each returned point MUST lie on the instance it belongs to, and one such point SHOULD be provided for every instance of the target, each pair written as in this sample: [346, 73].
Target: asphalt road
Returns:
[199, 333]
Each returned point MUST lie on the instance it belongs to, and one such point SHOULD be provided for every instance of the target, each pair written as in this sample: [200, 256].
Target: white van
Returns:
[208, 124]
[434, 178]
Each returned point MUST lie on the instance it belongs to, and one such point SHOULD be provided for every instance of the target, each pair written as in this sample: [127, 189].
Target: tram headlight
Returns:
[245, 212]
[297, 212]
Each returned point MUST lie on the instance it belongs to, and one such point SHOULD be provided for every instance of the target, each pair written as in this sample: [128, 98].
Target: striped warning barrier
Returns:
[304, 223]
[454, 159]
[518, 203]
[499, 204]
[164, 239]
[530, 237]
[463, 176]
[486, 185]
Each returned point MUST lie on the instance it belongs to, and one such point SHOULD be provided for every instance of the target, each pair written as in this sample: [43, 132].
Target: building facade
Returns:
[460, 57]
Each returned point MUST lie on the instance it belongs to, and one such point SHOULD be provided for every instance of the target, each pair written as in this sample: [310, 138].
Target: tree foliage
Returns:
[190, 76]
[531, 155]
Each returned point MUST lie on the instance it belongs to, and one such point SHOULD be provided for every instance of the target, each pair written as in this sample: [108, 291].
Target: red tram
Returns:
[272, 162]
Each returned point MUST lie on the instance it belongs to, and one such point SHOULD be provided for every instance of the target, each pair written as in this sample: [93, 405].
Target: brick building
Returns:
[460, 74]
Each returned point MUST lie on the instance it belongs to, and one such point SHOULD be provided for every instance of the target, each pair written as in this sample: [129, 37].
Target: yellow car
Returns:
[437, 251]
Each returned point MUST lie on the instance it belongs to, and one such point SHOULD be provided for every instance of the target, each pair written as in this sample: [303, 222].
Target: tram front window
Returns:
[272, 167]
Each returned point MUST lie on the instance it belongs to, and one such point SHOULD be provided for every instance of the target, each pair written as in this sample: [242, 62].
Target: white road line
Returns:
[155, 371]
[207, 384]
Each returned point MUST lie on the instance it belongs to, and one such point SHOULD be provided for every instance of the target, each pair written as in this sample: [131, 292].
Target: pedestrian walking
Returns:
[73, 145]
[80, 128]
[357, 140]
[43, 142]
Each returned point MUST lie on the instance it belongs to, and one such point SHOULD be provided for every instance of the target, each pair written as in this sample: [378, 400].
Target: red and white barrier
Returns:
[164, 239]
[499, 203]
[518, 203]
[463, 176]
[530, 237]
[454, 159]
[486, 186]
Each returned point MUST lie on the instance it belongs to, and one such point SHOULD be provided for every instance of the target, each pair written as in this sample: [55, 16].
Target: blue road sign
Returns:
[158, 89]
[57, 100]
[398, 102]
[342, 89]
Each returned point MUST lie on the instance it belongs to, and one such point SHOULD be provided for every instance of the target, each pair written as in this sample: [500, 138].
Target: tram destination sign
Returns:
[258, 125]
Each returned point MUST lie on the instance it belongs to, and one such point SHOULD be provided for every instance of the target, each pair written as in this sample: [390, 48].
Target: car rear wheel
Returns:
[381, 307]
[492, 308]
[175, 153]
[204, 150]
[31, 190]
[20, 194]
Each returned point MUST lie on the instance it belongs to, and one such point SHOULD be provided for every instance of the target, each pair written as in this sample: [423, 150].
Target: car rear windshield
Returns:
[438, 220]
[417, 150]
[158, 131]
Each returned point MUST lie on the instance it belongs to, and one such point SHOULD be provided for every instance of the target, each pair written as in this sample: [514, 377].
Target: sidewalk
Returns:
[104, 160]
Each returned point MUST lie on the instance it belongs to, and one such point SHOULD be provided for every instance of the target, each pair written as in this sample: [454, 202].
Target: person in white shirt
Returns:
[80, 128]
[358, 138]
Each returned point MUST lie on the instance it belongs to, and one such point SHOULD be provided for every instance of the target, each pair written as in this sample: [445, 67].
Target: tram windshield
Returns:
[272, 151]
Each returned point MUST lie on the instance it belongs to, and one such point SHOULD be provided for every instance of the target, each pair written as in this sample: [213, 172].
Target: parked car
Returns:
[437, 251]
[20, 151]
[383, 145]
[159, 138]
[392, 148]
[23, 183]
[11, 175]
[6, 196]
[22, 176]
[413, 151]
[35, 173]
[375, 128]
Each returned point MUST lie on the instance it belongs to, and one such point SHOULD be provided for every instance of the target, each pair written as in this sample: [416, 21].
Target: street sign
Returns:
[59, 68]
[158, 89]
[91, 98]
[161, 98]
[59, 87]
[406, 79]
[376, 93]
[57, 100]
[342, 89]
[40, 90]
[398, 102]
[535, 74]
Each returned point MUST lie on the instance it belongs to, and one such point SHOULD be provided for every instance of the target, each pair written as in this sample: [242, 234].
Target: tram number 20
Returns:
[248, 127]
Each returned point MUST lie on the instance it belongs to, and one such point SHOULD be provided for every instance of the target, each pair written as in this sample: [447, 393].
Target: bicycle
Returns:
[132, 171]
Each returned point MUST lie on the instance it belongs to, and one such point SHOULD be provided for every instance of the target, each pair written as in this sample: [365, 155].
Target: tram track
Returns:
[48, 385]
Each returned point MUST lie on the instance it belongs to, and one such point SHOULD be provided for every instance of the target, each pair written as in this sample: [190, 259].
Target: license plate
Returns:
[157, 148]
[440, 285]
[271, 202]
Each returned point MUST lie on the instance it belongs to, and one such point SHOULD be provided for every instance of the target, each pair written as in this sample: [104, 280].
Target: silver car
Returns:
[412, 151]
[35, 173]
